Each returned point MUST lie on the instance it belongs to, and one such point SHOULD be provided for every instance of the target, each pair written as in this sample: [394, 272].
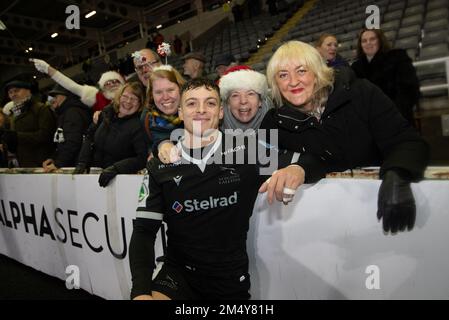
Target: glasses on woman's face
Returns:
[146, 66]
[131, 99]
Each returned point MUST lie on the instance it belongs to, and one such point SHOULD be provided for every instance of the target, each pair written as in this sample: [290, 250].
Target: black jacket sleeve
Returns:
[400, 144]
[148, 220]
[141, 255]
[315, 167]
[406, 83]
[357, 67]
[75, 124]
[87, 147]
[136, 163]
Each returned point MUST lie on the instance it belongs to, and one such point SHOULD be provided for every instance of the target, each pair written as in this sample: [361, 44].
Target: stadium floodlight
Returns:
[90, 14]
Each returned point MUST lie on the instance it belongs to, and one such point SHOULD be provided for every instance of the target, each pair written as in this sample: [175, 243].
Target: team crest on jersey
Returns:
[233, 176]
[144, 192]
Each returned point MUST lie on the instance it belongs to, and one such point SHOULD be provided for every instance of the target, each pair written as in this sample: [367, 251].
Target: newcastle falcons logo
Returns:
[230, 170]
[232, 176]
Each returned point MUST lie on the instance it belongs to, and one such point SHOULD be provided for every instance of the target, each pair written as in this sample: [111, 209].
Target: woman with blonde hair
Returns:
[160, 117]
[117, 142]
[338, 122]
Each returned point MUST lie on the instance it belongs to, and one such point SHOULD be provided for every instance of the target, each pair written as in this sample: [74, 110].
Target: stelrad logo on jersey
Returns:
[192, 205]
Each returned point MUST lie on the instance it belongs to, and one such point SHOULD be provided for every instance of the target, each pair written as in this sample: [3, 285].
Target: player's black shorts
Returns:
[180, 283]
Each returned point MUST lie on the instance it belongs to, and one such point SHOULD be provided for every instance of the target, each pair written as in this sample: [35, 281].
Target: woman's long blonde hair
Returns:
[300, 53]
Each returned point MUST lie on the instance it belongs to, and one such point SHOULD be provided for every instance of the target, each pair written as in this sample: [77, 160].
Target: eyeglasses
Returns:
[150, 65]
[125, 97]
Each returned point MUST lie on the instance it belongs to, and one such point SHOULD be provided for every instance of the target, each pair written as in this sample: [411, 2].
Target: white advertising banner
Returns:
[326, 244]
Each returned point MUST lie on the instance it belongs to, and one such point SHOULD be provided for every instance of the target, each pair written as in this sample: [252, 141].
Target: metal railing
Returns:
[444, 60]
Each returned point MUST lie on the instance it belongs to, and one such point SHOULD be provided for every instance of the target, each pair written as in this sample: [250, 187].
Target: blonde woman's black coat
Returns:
[360, 126]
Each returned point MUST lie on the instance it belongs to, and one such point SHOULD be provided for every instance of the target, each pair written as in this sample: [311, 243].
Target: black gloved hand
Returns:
[107, 175]
[81, 168]
[395, 203]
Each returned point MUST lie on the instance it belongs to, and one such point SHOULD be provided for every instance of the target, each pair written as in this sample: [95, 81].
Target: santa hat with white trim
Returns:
[110, 75]
[242, 77]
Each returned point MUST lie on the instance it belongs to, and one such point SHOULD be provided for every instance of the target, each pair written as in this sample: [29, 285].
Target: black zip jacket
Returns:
[115, 141]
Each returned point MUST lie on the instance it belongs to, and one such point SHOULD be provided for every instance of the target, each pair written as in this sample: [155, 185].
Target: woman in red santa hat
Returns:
[245, 97]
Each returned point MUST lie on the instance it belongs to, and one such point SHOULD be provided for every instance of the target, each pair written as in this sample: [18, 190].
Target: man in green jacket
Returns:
[32, 125]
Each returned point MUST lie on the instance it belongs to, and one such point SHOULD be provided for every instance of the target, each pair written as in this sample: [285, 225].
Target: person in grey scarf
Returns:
[245, 99]
[244, 93]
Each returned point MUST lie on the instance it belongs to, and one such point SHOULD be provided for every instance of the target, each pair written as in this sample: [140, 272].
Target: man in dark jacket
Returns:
[32, 124]
[73, 120]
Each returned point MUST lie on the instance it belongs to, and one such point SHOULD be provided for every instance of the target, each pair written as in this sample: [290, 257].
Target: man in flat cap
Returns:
[223, 62]
[194, 65]
[32, 124]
